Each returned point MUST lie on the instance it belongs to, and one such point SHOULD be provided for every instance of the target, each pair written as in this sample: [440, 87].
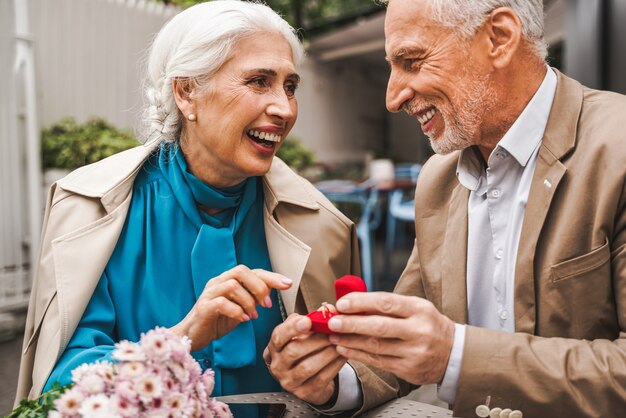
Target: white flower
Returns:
[149, 387]
[127, 351]
[91, 384]
[131, 369]
[69, 403]
[176, 403]
[155, 345]
[81, 371]
[123, 406]
[96, 406]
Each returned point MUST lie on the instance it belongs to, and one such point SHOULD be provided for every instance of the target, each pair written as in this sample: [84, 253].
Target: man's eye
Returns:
[411, 64]
[291, 88]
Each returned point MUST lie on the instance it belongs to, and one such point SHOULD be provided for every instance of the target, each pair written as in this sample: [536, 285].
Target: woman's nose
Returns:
[282, 106]
[398, 92]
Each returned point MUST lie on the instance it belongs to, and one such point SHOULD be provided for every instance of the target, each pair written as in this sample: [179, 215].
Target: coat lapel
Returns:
[288, 255]
[77, 271]
[454, 258]
[558, 140]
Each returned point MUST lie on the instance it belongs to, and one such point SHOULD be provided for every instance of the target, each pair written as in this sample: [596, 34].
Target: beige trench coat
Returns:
[308, 239]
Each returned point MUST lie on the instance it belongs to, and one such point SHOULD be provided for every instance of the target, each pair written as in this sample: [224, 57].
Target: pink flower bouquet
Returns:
[156, 377]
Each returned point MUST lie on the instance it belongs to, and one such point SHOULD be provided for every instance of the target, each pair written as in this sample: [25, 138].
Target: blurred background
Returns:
[70, 94]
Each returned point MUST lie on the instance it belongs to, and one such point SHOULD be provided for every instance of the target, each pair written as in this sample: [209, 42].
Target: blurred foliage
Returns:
[69, 145]
[295, 154]
[306, 13]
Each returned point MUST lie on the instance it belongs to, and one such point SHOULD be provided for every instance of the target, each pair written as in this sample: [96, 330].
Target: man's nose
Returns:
[398, 92]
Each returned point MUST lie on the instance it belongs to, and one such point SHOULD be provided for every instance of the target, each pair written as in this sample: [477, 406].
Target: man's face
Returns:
[436, 76]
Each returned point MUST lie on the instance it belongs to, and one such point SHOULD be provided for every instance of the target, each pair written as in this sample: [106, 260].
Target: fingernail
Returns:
[245, 318]
[334, 339]
[343, 304]
[302, 325]
[286, 281]
[255, 314]
[267, 302]
[334, 323]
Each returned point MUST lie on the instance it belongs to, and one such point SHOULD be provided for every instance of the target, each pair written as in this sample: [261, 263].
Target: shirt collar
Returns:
[522, 138]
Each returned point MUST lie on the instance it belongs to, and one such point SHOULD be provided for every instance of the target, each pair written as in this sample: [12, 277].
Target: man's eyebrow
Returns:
[272, 73]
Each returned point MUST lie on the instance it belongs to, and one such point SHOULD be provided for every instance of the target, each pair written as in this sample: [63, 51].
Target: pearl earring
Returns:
[192, 117]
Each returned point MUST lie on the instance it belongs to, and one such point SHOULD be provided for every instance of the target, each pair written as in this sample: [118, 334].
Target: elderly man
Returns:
[514, 298]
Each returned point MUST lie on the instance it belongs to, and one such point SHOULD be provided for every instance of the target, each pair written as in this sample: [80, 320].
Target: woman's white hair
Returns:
[467, 16]
[194, 45]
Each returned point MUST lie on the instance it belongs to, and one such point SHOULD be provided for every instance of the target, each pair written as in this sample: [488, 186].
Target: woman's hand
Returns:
[228, 300]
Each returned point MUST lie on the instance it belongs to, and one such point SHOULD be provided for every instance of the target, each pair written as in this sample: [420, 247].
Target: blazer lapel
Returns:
[454, 258]
[558, 140]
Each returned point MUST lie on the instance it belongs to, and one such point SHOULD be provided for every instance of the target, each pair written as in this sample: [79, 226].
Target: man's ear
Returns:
[504, 30]
[183, 90]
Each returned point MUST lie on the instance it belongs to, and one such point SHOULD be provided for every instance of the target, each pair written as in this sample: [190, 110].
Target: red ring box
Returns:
[343, 286]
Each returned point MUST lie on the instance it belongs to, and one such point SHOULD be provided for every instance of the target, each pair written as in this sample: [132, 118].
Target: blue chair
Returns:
[401, 208]
[363, 197]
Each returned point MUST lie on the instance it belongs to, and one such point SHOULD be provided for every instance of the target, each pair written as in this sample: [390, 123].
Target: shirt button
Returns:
[207, 363]
[495, 413]
[495, 193]
[504, 315]
[499, 254]
[482, 411]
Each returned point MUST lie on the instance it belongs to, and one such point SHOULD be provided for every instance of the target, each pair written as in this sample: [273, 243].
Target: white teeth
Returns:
[427, 116]
[264, 135]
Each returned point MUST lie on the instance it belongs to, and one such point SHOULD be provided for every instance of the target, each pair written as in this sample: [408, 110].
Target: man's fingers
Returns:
[373, 345]
[382, 303]
[381, 362]
[295, 325]
[370, 325]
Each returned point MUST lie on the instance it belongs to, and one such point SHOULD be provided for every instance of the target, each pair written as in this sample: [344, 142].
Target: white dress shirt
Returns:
[496, 207]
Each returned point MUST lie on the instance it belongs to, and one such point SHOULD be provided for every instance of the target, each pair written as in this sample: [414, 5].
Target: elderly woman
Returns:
[202, 230]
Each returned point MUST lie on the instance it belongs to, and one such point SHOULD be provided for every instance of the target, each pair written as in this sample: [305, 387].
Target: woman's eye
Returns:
[291, 88]
[259, 82]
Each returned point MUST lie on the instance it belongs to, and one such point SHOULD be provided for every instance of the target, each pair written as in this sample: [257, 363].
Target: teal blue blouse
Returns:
[166, 253]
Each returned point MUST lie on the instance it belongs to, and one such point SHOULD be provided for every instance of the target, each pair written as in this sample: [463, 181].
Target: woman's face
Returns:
[244, 115]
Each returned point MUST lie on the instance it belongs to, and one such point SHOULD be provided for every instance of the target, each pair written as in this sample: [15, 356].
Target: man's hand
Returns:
[404, 335]
[304, 363]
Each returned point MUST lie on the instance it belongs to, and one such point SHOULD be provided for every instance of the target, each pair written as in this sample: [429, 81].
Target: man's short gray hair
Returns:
[467, 16]
[195, 44]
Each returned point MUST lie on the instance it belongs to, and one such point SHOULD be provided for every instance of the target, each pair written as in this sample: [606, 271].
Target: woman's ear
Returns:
[504, 30]
[183, 90]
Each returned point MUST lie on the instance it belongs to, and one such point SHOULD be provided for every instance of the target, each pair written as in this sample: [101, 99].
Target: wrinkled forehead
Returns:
[409, 23]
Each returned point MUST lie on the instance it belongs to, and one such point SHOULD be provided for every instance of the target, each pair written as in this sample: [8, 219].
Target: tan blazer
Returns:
[568, 355]
[308, 239]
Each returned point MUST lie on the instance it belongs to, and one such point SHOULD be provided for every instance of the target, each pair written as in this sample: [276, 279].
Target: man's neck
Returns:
[515, 89]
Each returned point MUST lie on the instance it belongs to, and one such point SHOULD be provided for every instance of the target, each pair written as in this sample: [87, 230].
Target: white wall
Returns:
[341, 112]
[89, 55]
[14, 239]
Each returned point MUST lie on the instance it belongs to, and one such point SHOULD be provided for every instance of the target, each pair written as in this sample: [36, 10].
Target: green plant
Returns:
[39, 407]
[295, 154]
[70, 145]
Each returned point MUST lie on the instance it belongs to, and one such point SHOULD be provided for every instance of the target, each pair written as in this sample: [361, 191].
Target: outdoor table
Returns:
[298, 409]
